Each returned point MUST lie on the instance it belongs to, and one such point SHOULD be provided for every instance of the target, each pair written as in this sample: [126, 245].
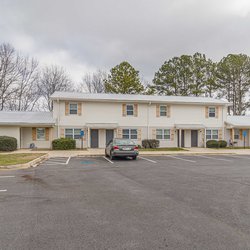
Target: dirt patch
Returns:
[31, 178]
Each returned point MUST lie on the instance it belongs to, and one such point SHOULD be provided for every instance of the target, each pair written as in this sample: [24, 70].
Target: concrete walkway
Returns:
[94, 152]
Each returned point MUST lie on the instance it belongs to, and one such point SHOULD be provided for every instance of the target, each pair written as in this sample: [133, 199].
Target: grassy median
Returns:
[14, 159]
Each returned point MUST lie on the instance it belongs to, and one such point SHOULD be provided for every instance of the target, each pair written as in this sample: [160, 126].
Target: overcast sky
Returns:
[85, 35]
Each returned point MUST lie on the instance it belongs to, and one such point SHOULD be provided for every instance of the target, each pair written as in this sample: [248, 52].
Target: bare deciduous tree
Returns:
[93, 83]
[53, 78]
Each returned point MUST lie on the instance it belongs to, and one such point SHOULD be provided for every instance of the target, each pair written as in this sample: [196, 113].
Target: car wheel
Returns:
[134, 157]
[111, 156]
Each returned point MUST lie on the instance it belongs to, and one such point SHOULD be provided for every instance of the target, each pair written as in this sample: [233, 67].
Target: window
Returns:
[212, 134]
[40, 134]
[129, 134]
[163, 110]
[211, 111]
[163, 134]
[73, 133]
[73, 108]
[130, 109]
[236, 134]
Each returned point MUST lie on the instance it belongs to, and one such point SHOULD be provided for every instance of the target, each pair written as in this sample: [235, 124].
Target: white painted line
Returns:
[7, 176]
[108, 160]
[67, 162]
[239, 157]
[54, 160]
[178, 158]
[146, 159]
[3, 190]
[213, 158]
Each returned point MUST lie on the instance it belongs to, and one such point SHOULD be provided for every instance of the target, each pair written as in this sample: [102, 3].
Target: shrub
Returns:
[222, 143]
[212, 144]
[8, 143]
[63, 144]
[152, 143]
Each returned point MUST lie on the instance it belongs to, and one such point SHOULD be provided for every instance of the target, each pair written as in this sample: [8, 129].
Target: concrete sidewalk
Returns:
[95, 152]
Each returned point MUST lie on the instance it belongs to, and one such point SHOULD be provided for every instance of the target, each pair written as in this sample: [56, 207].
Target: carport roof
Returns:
[238, 121]
[189, 126]
[75, 96]
[21, 118]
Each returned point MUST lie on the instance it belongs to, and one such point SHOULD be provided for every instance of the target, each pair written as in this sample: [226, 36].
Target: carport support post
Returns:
[232, 139]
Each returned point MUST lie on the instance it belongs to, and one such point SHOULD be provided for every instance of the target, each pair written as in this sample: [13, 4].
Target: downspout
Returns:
[58, 118]
[149, 104]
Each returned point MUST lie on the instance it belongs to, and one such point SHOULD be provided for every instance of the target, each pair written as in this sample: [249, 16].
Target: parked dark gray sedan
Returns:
[121, 148]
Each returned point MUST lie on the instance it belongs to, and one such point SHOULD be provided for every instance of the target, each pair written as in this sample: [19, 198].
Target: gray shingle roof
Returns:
[26, 118]
[136, 98]
[238, 121]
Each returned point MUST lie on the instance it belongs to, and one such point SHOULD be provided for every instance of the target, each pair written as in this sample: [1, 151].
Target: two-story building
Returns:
[176, 121]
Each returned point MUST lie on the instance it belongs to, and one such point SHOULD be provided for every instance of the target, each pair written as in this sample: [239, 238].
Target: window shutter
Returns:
[124, 109]
[62, 133]
[66, 108]
[136, 110]
[79, 108]
[172, 134]
[33, 134]
[217, 112]
[231, 134]
[240, 131]
[119, 133]
[85, 134]
[153, 133]
[168, 111]
[157, 110]
[47, 134]
[203, 131]
[138, 134]
[206, 112]
[220, 134]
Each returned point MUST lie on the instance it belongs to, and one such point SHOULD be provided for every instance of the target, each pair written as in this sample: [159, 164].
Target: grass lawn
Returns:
[13, 159]
[162, 149]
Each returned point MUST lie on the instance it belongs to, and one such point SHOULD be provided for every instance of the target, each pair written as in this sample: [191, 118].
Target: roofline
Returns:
[27, 124]
[138, 101]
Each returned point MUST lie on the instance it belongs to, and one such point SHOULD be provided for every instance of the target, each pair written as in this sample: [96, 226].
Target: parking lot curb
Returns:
[31, 164]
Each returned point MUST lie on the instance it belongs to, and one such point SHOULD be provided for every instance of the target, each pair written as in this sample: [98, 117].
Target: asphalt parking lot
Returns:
[160, 202]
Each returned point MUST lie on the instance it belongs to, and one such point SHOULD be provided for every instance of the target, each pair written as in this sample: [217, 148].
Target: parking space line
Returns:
[104, 157]
[146, 159]
[213, 158]
[3, 190]
[178, 158]
[7, 176]
[67, 162]
[239, 157]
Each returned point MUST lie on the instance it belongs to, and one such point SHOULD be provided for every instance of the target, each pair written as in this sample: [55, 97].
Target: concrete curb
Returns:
[31, 164]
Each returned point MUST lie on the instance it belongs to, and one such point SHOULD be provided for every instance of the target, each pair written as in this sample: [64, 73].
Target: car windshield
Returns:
[123, 142]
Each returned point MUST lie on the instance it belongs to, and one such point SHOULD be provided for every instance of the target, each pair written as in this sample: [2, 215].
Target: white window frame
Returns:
[73, 135]
[74, 110]
[213, 112]
[163, 134]
[236, 134]
[133, 110]
[212, 135]
[43, 138]
[164, 112]
[131, 133]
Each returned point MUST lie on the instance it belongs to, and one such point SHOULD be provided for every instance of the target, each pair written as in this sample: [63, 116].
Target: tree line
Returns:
[25, 85]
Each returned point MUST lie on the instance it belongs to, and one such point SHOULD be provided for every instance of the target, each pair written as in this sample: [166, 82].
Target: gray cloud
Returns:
[84, 35]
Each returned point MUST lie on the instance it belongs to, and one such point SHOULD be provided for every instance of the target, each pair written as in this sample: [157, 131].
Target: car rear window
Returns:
[124, 142]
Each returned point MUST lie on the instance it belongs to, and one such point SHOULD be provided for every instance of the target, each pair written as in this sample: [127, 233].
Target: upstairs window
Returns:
[73, 108]
[130, 109]
[163, 110]
[211, 112]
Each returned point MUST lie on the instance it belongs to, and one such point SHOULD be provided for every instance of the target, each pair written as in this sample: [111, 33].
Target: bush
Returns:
[222, 143]
[212, 144]
[8, 143]
[152, 143]
[63, 144]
